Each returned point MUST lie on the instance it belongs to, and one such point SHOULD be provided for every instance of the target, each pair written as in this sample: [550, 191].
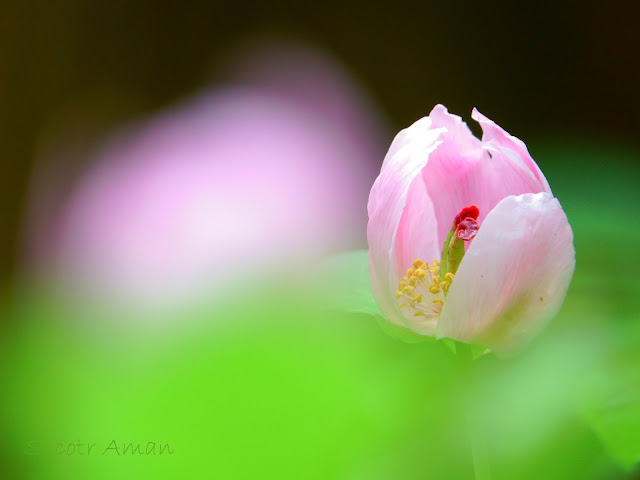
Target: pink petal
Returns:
[495, 133]
[463, 171]
[387, 201]
[514, 277]
[416, 233]
[458, 134]
[412, 137]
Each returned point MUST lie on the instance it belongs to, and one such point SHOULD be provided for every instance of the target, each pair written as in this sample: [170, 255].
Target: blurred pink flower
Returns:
[234, 183]
[519, 246]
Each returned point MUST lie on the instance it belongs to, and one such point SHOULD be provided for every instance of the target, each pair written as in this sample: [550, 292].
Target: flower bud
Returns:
[484, 208]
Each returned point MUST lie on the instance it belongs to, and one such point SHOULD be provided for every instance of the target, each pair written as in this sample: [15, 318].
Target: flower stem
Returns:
[479, 450]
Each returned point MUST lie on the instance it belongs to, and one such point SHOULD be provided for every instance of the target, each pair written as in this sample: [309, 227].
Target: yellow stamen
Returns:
[422, 287]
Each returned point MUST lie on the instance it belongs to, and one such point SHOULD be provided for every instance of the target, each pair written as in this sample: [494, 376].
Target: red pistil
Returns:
[471, 211]
[465, 223]
[467, 229]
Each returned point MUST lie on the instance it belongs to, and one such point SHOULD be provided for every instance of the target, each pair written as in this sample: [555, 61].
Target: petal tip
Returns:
[481, 118]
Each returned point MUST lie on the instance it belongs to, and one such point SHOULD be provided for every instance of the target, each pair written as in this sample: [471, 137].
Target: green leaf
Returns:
[348, 289]
[611, 401]
[400, 333]
[477, 351]
[347, 286]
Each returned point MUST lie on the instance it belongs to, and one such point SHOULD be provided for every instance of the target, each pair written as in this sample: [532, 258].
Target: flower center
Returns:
[422, 290]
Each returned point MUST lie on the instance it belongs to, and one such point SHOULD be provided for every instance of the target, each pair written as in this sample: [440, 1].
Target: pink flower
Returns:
[489, 197]
[232, 186]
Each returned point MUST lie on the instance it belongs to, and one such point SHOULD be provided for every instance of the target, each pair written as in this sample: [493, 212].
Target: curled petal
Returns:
[514, 275]
[495, 134]
[387, 202]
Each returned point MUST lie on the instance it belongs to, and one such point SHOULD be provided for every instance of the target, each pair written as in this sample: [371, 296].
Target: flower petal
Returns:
[416, 233]
[514, 277]
[387, 201]
[412, 137]
[495, 133]
[459, 136]
[463, 171]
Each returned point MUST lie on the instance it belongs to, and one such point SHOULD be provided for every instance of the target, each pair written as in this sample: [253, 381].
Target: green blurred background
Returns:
[273, 387]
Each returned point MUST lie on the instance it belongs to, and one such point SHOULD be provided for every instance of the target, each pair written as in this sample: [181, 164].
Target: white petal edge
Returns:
[514, 276]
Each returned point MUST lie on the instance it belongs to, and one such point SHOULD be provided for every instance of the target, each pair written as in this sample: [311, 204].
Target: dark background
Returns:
[539, 68]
